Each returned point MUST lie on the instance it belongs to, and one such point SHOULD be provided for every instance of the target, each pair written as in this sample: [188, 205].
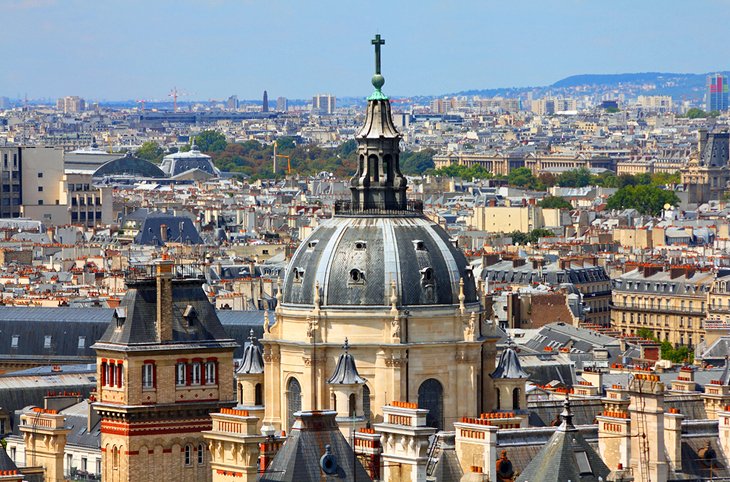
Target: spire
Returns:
[253, 360]
[346, 370]
[566, 416]
[378, 185]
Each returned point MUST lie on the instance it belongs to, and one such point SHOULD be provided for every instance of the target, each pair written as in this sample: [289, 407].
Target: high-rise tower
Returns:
[716, 96]
[265, 107]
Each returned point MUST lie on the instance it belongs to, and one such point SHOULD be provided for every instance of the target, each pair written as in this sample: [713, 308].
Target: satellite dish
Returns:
[667, 206]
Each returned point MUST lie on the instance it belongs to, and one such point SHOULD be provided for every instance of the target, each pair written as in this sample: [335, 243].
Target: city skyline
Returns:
[141, 51]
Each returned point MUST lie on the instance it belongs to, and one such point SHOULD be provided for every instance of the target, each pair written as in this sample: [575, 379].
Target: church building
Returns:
[392, 282]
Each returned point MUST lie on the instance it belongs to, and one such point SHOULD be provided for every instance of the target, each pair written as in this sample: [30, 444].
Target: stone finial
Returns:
[317, 299]
[393, 296]
[266, 322]
[462, 297]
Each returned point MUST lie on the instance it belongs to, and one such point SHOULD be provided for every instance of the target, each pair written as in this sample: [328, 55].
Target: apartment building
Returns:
[670, 301]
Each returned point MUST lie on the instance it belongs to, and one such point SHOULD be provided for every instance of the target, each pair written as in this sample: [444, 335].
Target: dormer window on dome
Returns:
[312, 244]
[361, 245]
[357, 276]
[298, 275]
[419, 245]
[427, 275]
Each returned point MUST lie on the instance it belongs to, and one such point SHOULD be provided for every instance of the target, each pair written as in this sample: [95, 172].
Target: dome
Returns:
[129, 166]
[355, 260]
[180, 162]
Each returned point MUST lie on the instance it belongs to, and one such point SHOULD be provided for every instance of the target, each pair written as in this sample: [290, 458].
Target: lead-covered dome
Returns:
[379, 237]
[355, 260]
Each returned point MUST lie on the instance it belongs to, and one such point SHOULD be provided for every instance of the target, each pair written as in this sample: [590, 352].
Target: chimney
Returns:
[517, 262]
[533, 201]
[673, 438]
[492, 203]
[163, 233]
[490, 259]
[164, 299]
[93, 415]
[524, 202]
[61, 400]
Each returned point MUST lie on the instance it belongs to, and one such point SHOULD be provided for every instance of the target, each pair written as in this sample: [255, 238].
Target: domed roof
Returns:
[509, 365]
[252, 362]
[379, 238]
[129, 166]
[355, 259]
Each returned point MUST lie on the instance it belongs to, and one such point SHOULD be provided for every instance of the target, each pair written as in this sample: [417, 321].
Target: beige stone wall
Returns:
[432, 344]
[154, 458]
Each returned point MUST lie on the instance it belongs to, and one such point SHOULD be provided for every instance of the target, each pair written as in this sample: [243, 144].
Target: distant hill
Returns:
[679, 86]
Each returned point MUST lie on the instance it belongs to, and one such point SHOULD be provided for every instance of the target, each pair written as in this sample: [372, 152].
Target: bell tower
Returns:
[378, 183]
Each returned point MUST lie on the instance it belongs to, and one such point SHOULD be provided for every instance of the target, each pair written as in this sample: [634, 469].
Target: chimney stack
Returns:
[164, 299]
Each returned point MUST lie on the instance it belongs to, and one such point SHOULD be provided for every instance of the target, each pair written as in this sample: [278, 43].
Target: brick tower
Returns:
[163, 365]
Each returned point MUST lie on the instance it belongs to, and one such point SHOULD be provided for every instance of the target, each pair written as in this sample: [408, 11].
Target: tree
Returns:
[575, 178]
[518, 237]
[210, 141]
[643, 198]
[680, 354]
[456, 170]
[150, 151]
[522, 177]
[612, 110]
[555, 202]
[417, 162]
[695, 113]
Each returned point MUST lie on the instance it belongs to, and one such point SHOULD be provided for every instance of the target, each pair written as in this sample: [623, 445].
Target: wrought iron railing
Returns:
[141, 272]
[411, 207]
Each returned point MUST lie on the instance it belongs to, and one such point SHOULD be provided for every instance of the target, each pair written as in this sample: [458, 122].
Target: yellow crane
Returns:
[283, 156]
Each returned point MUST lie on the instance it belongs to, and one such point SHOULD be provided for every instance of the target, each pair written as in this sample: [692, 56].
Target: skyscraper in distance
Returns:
[716, 97]
[265, 107]
[282, 104]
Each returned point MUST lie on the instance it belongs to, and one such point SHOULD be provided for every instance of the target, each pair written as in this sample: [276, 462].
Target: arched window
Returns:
[516, 399]
[498, 404]
[201, 454]
[258, 395]
[351, 405]
[293, 400]
[188, 455]
[366, 402]
[431, 397]
[115, 457]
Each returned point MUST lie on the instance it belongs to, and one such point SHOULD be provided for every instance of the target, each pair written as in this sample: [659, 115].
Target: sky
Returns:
[210, 49]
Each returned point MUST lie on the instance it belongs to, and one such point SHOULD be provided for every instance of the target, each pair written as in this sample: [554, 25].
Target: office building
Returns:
[71, 104]
[716, 95]
[265, 107]
[232, 103]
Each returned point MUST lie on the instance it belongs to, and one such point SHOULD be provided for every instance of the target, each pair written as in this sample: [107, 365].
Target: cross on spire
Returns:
[377, 41]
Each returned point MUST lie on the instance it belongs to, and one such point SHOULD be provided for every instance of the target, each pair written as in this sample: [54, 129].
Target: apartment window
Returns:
[197, 373]
[84, 464]
[188, 455]
[181, 378]
[40, 202]
[12, 449]
[14, 341]
[47, 341]
[98, 466]
[69, 461]
[210, 378]
[82, 342]
[40, 188]
[40, 174]
[148, 375]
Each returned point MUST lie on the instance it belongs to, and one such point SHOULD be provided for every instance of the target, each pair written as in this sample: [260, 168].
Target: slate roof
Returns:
[180, 229]
[346, 370]
[253, 360]
[299, 458]
[139, 313]
[509, 365]
[412, 251]
[551, 273]
[6, 463]
[566, 456]
[129, 166]
[448, 468]
[546, 413]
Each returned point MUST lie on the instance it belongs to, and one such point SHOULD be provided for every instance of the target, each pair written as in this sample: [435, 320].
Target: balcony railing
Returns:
[347, 208]
[142, 272]
[657, 309]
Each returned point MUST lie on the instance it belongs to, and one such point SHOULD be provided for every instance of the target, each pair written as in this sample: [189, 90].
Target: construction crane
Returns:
[283, 156]
[174, 93]
[142, 102]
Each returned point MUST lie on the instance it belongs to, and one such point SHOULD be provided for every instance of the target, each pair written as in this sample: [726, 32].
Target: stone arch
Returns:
[431, 397]
[516, 398]
[373, 168]
[240, 393]
[351, 405]
[293, 401]
[498, 403]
